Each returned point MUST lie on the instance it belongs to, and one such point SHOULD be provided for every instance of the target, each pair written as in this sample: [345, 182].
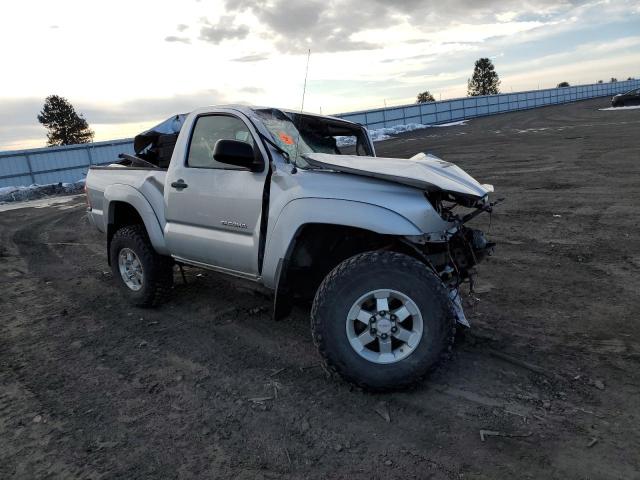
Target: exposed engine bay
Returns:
[455, 255]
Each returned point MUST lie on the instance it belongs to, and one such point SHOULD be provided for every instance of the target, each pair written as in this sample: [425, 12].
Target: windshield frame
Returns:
[294, 134]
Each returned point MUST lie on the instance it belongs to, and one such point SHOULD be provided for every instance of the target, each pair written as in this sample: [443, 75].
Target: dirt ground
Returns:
[208, 386]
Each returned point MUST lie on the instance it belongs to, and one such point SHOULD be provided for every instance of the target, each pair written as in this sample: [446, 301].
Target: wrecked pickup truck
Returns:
[300, 204]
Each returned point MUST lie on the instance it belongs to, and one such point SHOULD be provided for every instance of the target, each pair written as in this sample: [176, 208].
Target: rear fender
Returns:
[128, 194]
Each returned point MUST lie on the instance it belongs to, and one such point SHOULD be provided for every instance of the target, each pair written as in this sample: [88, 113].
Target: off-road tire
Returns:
[157, 269]
[367, 272]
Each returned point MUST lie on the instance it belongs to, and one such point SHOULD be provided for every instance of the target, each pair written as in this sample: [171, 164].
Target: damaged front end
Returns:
[449, 246]
[454, 253]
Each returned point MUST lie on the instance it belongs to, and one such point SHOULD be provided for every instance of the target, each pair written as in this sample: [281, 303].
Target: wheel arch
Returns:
[300, 214]
[127, 206]
[316, 246]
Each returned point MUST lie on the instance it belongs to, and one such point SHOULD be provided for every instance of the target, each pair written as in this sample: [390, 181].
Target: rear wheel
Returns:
[144, 276]
[382, 320]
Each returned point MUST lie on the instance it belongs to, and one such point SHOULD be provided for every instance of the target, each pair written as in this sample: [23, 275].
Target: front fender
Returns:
[128, 194]
[300, 212]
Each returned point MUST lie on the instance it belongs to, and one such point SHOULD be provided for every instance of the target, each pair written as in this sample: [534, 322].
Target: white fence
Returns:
[70, 163]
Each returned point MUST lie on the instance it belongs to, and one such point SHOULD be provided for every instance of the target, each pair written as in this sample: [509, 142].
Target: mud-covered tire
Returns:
[157, 270]
[368, 272]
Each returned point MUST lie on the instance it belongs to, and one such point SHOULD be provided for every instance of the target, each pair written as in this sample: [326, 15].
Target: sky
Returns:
[127, 65]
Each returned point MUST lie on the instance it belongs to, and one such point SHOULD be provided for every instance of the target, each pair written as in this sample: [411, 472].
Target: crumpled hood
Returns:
[423, 171]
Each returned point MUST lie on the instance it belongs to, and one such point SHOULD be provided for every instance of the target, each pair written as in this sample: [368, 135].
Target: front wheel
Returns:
[382, 320]
[144, 276]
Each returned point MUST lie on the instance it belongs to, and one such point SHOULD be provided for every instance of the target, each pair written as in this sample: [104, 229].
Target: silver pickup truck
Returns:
[301, 204]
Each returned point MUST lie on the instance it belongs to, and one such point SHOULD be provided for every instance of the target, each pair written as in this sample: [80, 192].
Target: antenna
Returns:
[304, 91]
[306, 73]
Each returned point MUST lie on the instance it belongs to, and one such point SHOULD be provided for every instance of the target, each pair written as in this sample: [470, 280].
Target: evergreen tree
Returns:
[485, 80]
[64, 126]
[563, 84]
[425, 97]
[614, 79]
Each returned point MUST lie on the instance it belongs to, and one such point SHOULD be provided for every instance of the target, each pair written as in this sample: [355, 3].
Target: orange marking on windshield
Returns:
[285, 138]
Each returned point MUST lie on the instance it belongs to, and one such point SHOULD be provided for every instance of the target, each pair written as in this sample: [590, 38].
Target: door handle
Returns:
[179, 185]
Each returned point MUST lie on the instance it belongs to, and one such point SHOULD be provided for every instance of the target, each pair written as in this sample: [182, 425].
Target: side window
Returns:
[207, 131]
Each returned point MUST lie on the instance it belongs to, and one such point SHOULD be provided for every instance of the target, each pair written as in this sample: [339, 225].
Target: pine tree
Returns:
[64, 126]
[563, 84]
[425, 97]
[485, 80]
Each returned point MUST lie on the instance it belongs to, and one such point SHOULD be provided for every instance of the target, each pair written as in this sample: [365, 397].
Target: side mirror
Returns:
[240, 154]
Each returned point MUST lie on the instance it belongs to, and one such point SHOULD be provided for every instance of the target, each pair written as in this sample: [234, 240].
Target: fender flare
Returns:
[303, 211]
[128, 194]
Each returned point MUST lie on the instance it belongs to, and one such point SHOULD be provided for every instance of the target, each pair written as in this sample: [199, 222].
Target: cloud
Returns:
[252, 90]
[181, 27]
[506, 16]
[256, 57]
[334, 25]
[20, 111]
[295, 26]
[145, 109]
[223, 30]
[173, 38]
[19, 127]
[18, 138]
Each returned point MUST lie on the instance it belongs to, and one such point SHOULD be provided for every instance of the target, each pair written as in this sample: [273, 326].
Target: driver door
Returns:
[213, 210]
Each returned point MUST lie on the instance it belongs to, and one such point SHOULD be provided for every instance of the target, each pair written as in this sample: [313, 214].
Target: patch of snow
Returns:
[450, 124]
[21, 194]
[43, 203]
[630, 107]
[380, 134]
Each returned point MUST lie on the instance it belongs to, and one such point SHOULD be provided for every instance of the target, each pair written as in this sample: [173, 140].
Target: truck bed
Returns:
[148, 181]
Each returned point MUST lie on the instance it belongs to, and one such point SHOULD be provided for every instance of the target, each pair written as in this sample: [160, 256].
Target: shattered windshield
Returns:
[299, 134]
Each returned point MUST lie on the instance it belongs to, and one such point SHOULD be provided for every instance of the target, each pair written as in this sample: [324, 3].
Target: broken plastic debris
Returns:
[454, 295]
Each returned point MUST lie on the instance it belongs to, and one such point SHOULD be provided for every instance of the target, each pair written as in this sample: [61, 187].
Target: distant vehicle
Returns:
[271, 196]
[632, 97]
